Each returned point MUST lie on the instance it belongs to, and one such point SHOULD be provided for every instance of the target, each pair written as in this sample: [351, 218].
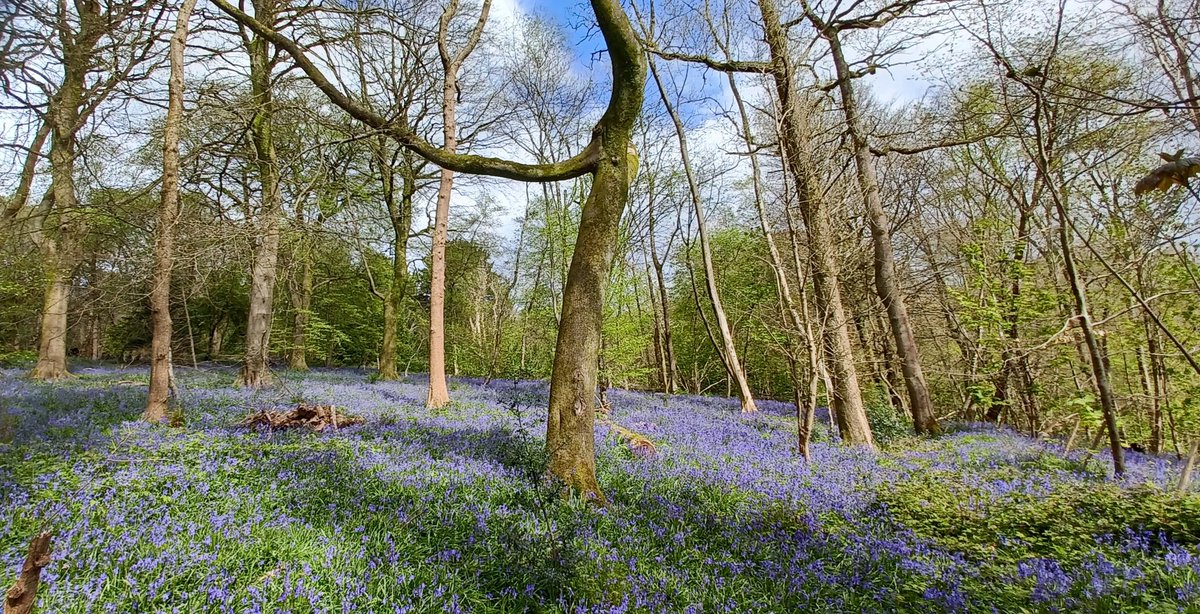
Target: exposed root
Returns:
[638, 443]
[21, 596]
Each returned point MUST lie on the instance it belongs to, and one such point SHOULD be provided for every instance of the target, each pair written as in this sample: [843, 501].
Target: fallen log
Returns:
[638, 443]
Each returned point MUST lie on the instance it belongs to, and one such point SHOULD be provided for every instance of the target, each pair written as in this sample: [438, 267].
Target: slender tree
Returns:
[164, 231]
[886, 283]
[727, 347]
[439, 394]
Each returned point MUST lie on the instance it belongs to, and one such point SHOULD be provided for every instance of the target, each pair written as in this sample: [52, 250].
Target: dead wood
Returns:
[315, 417]
[21, 596]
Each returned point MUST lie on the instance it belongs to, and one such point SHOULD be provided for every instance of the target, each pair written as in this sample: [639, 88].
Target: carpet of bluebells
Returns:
[447, 511]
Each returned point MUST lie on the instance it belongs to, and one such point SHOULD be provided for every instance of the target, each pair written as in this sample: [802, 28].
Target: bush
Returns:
[887, 424]
[1065, 524]
[19, 359]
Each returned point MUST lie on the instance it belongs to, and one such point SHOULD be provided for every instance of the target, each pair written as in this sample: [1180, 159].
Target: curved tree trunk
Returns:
[570, 438]
[168, 214]
[570, 425]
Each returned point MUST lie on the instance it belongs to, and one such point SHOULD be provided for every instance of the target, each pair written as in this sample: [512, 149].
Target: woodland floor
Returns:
[414, 511]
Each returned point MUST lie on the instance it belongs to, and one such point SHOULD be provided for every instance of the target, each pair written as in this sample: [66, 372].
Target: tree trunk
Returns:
[439, 394]
[671, 378]
[58, 247]
[1083, 316]
[164, 243]
[216, 340]
[400, 212]
[570, 438]
[886, 284]
[52, 342]
[255, 371]
[733, 364]
[847, 396]
[301, 306]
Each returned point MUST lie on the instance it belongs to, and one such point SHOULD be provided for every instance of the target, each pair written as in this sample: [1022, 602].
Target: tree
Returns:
[256, 370]
[727, 349]
[164, 239]
[570, 436]
[439, 394]
[95, 50]
[847, 397]
[886, 283]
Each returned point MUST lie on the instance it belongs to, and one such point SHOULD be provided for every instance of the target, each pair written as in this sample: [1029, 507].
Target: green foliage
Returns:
[1065, 524]
[18, 359]
[887, 424]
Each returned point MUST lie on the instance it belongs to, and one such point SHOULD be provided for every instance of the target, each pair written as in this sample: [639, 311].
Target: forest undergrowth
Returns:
[447, 511]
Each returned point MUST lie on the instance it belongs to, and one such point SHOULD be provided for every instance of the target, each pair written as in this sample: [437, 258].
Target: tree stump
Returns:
[21, 596]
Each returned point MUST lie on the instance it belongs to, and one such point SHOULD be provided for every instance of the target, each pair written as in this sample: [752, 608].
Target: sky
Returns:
[902, 84]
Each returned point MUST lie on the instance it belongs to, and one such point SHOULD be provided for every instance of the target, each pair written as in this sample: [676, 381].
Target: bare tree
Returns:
[727, 348]
[886, 283]
[439, 394]
[164, 237]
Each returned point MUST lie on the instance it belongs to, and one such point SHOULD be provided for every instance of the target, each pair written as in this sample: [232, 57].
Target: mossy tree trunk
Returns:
[256, 371]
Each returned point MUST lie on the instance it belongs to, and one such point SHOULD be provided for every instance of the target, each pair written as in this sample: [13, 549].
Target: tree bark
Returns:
[216, 339]
[52, 342]
[847, 396]
[59, 247]
[255, 371]
[886, 284]
[439, 394]
[164, 243]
